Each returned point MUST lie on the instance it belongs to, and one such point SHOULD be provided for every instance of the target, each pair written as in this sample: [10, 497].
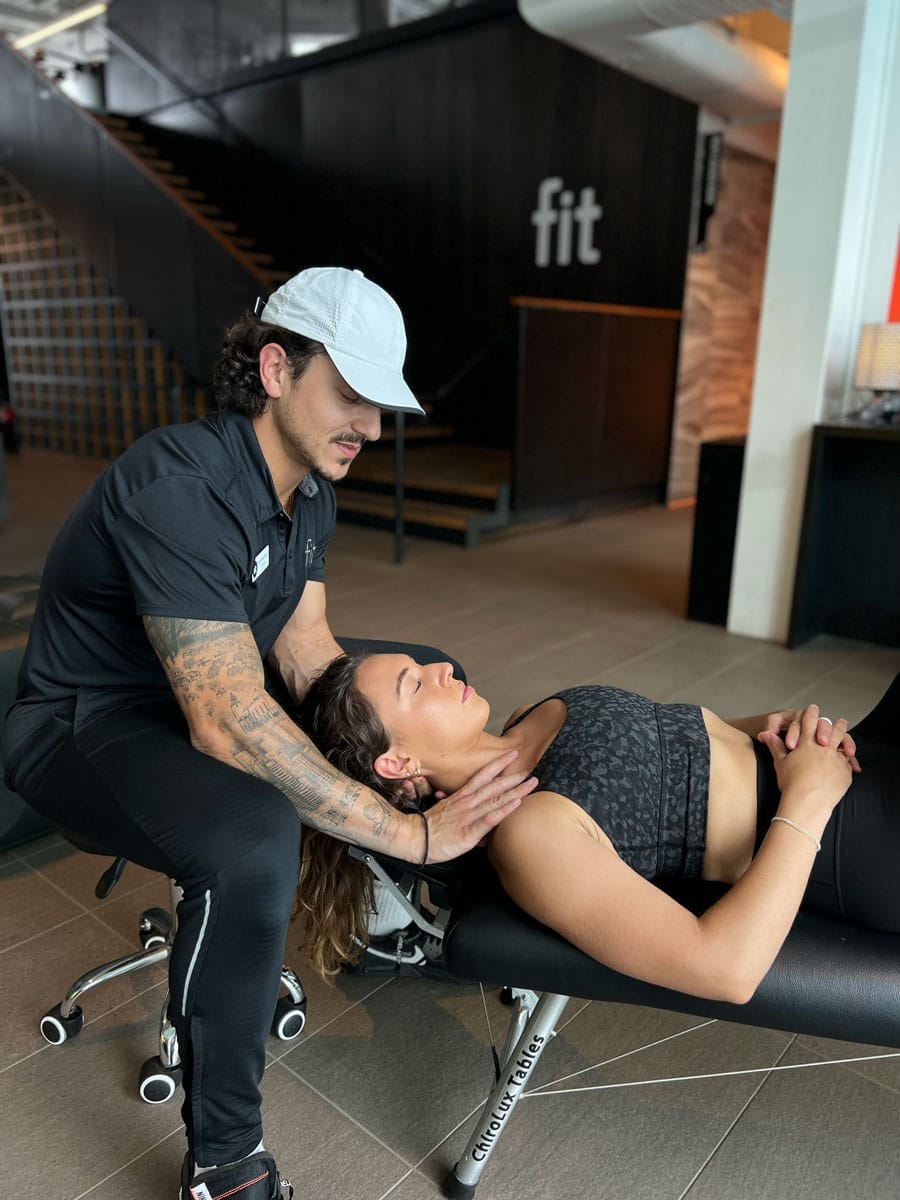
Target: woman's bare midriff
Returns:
[731, 811]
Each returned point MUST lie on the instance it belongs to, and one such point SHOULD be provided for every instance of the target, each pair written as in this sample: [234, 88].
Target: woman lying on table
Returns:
[629, 790]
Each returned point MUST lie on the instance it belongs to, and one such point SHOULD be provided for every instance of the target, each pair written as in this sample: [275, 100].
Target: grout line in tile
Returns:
[52, 883]
[449, 1134]
[737, 1118]
[799, 696]
[546, 648]
[403, 1178]
[126, 1165]
[321, 1028]
[542, 649]
[17, 851]
[337, 1108]
[95, 913]
[41, 933]
[93, 1021]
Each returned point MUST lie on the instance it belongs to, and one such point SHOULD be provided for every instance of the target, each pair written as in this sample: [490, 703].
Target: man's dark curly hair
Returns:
[236, 381]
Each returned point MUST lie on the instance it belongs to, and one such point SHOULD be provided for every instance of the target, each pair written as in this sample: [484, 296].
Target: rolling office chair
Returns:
[159, 1075]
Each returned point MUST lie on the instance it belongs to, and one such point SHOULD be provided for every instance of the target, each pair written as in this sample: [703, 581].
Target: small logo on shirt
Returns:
[259, 564]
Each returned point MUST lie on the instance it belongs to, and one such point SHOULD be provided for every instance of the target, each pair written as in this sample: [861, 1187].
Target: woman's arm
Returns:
[561, 873]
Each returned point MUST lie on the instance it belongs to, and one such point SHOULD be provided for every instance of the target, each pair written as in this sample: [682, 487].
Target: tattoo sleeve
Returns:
[217, 676]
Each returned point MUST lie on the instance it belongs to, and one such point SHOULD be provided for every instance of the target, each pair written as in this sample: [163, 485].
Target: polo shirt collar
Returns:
[241, 437]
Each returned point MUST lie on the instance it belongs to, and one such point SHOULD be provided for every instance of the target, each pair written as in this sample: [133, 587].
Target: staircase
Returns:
[87, 375]
[167, 157]
[452, 492]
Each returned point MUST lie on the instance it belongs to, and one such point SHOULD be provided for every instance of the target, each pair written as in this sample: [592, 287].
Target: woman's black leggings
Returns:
[130, 782]
[857, 873]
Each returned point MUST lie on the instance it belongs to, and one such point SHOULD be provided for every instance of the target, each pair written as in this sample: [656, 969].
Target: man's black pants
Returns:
[129, 781]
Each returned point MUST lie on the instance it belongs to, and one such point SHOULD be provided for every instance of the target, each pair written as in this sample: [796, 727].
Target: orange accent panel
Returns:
[894, 306]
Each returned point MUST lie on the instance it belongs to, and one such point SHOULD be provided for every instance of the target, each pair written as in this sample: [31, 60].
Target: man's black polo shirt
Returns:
[186, 523]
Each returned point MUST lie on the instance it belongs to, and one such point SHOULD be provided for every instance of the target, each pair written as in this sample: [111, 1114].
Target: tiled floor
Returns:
[374, 1101]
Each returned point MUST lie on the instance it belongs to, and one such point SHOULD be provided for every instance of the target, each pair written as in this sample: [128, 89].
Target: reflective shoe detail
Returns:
[253, 1178]
[408, 952]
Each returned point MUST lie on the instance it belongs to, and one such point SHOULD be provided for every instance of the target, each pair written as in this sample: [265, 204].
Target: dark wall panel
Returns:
[420, 163]
[426, 161]
[593, 410]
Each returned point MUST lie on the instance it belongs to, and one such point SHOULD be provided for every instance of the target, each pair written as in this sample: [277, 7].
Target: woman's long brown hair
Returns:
[335, 891]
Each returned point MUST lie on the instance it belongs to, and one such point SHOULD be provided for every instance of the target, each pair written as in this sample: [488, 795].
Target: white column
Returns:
[835, 216]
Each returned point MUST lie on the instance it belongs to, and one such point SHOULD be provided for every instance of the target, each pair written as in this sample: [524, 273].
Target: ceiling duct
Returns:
[676, 45]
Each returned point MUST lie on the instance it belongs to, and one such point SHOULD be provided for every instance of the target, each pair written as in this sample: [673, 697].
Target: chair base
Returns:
[160, 1076]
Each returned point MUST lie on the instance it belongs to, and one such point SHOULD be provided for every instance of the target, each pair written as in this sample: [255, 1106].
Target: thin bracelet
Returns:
[425, 823]
[793, 824]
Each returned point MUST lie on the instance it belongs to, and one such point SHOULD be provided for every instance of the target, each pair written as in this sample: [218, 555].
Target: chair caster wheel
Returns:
[507, 997]
[155, 928]
[454, 1188]
[157, 1083]
[289, 1020]
[56, 1029]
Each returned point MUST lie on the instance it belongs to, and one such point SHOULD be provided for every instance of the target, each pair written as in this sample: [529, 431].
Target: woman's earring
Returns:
[418, 772]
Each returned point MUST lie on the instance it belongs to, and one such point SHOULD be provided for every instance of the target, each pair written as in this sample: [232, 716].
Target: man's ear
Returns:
[392, 766]
[272, 362]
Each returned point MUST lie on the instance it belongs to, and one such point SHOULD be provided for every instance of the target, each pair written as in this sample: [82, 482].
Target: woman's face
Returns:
[427, 713]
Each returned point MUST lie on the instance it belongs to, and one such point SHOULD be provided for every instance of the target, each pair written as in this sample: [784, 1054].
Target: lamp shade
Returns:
[878, 358]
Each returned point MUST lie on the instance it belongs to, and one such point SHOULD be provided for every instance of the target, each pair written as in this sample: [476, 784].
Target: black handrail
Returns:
[399, 468]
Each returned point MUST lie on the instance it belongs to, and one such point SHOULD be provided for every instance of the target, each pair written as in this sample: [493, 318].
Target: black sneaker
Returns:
[409, 952]
[253, 1178]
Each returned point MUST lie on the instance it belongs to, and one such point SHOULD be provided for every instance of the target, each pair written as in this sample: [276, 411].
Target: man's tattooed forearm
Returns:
[310, 787]
[217, 676]
[255, 716]
[377, 816]
[174, 635]
[201, 657]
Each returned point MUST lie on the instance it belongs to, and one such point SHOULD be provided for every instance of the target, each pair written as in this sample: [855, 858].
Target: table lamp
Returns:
[878, 371]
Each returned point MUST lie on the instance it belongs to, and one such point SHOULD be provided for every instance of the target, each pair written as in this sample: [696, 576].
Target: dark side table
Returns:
[715, 528]
[848, 566]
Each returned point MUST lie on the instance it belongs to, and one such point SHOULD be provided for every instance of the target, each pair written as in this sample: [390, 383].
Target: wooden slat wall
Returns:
[86, 375]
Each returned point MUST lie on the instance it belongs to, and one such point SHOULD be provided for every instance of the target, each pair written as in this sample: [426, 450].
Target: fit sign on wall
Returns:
[555, 219]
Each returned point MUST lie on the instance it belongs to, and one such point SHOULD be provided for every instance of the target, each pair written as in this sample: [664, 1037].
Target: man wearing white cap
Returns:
[144, 723]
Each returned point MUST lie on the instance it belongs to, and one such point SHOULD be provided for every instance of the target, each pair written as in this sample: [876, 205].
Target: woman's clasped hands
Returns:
[787, 724]
[815, 758]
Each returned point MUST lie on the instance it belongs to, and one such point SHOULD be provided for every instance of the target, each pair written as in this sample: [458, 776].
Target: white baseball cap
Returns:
[359, 325]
